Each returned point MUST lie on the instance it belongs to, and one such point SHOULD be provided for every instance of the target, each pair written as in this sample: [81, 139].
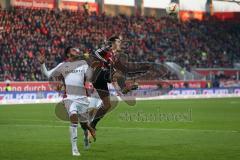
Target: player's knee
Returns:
[74, 118]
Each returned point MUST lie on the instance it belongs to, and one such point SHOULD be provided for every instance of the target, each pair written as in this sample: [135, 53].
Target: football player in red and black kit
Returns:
[109, 67]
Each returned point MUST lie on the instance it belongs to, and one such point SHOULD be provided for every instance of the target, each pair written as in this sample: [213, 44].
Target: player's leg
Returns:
[86, 141]
[121, 81]
[100, 84]
[85, 116]
[72, 111]
[105, 97]
[74, 134]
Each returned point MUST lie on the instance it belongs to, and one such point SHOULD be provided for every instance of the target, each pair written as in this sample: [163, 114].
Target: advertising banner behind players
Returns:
[34, 3]
[79, 5]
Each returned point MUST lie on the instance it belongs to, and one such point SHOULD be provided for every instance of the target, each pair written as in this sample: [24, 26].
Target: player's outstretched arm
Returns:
[48, 73]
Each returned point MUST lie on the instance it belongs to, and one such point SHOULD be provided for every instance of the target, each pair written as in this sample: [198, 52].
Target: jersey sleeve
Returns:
[100, 53]
[88, 73]
[53, 72]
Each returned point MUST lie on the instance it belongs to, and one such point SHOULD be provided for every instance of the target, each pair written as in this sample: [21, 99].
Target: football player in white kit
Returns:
[75, 72]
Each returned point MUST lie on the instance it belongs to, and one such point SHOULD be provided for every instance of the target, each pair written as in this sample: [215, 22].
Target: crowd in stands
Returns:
[26, 33]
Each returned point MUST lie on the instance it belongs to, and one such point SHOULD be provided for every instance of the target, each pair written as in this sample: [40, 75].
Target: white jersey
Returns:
[74, 74]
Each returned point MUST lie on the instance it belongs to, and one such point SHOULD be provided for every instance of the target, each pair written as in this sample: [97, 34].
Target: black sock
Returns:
[99, 115]
[94, 122]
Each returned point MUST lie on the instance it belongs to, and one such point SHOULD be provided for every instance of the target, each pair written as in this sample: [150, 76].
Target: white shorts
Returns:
[85, 107]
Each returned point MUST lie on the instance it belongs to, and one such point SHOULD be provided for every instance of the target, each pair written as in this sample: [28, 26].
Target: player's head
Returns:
[71, 53]
[115, 42]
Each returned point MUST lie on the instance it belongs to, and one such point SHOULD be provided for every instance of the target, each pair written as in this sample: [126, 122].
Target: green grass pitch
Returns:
[207, 129]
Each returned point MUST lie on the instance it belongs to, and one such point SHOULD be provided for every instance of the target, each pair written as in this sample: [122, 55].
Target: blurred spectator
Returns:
[86, 8]
[8, 88]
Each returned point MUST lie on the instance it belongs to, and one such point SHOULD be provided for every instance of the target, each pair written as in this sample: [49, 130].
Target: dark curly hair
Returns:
[67, 50]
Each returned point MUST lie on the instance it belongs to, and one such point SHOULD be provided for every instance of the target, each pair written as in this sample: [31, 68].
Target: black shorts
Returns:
[101, 81]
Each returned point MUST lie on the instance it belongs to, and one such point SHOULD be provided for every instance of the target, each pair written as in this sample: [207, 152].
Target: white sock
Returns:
[73, 135]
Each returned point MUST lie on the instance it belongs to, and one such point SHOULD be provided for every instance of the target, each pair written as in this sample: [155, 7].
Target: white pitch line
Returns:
[124, 128]
[234, 102]
[36, 120]
[33, 125]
